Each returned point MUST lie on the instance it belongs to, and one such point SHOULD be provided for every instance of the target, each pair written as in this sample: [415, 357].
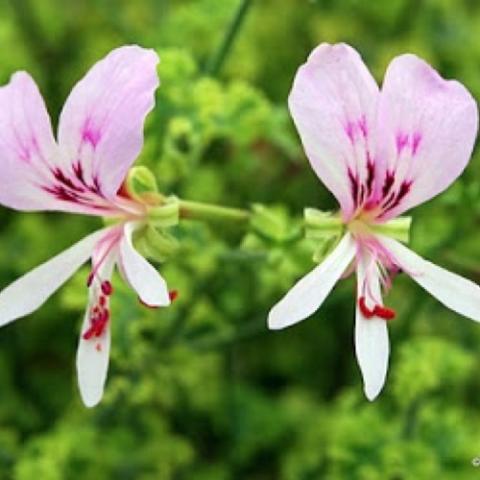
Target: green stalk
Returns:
[216, 62]
[210, 212]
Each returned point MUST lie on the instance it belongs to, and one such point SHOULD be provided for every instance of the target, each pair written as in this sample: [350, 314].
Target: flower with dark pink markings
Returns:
[99, 136]
[380, 152]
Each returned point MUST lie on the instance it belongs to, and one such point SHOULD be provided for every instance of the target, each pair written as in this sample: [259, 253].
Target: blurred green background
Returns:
[201, 390]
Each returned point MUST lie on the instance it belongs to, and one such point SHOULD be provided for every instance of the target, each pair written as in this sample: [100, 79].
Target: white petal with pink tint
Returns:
[426, 129]
[101, 124]
[455, 292]
[30, 291]
[371, 335]
[93, 353]
[306, 296]
[27, 146]
[92, 366]
[142, 277]
[333, 103]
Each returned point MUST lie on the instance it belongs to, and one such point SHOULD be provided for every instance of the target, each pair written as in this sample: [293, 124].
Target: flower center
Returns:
[377, 195]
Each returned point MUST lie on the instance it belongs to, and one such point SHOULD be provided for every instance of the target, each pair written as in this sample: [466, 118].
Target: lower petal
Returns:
[371, 335]
[308, 294]
[29, 292]
[94, 345]
[92, 365]
[142, 277]
[455, 292]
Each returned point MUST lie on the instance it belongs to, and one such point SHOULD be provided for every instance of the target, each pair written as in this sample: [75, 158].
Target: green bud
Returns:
[141, 182]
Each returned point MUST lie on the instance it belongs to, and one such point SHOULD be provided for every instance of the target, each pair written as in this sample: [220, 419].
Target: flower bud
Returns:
[141, 183]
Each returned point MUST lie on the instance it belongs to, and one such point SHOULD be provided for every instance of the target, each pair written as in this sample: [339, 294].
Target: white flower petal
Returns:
[142, 277]
[29, 292]
[455, 292]
[306, 296]
[92, 365]
[371, 334]
[93, 353]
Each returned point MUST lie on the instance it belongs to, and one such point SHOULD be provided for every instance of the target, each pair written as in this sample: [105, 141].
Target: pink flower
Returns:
[100, 134]
[380, 153]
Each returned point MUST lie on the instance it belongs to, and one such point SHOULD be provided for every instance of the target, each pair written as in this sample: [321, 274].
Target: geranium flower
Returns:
[380, 152]
[100, 134]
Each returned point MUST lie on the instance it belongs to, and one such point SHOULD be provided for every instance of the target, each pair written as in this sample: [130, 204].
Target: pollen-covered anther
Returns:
[107, 288]
[377, 311]
[384, 312]
[173, 294]
[366, 312]
[100, 315]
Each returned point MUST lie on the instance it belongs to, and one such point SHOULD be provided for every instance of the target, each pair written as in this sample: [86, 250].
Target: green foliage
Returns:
[201, 390]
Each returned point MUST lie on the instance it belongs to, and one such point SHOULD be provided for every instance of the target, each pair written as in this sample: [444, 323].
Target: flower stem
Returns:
[411, 419]
[209, 212]
[216, 62]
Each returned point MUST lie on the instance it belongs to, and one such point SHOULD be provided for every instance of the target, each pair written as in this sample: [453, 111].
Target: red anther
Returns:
[89, 333]
[107, 288]
[96, 309]
[384, 312]
[98, 323]
[101, 323]
[102, 301]
[173, 294]
[90, 278]
[377, 311]
[366, 312]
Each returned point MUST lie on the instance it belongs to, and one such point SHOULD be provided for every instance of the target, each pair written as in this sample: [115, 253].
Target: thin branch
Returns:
[217, 61]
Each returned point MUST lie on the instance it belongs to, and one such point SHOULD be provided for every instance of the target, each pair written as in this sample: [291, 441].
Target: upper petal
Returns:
[306, 296]
[455, 292]
[372, 345]
[142, 277]
[27, 147]
[426, 131]
[333, 104]
[30, 291]
[101, 124]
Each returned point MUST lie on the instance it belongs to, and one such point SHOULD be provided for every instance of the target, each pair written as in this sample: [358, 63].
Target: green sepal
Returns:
[321, 225]
[324, 247]
[325, 229]
[398, 228]
[165, 215]
[158, 245]
[272, 225]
